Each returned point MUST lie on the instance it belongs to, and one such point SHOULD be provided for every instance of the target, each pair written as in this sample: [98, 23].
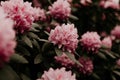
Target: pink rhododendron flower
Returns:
[60, 9]
[87, 67]
[64, 60]
[69, 1]
[91, 41]
[36, 3]
[110, 4]
[116, 32]
[118, 62]
[58, 74]
[85, 2]
[65, 36]
[112, 37]
[7, 36]
[103, 34]
[41, 14]
[22, 13]
[107, 42]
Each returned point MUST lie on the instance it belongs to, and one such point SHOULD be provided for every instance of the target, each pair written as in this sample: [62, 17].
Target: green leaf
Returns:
[24, 77]
[38, 59]
[47, 33]
[33, 35]
[74, 17]
[7, 73]
[116, 72]
[104, 47]
[44, 40]
[110, 54]
[116, 54]
[58, 52]
[27, 41]
[36, 44]
[46, 46]
[74, 9]
[35, 25]
[22, 50]
[72, 57]
[96, 76]
[33, 29]
[18, 59]
[50, 2]
[102, 55]
[113, 77]
[117, 41]
[107, 53]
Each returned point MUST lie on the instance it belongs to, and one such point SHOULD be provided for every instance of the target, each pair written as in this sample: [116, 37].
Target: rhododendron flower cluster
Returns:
[107, 42]
[60, 9]
[110, 4]
[118, 62]
[64, 60]
[103, 34]
[58, 74]
[7, 36]
[87, 67]
[65, 36]
[116, 32]
[91, 41]
[41, 14]
[36, 3]
[69, 1]
[22, 13]
[85, 2]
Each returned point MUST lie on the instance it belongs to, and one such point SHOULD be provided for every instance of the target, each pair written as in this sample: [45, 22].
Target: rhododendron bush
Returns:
[60, 40]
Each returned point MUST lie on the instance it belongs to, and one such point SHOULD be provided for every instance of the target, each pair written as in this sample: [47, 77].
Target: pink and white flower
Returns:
[118, 62]
[87, 67]
[65, 37]
[116, 32]
[69, 1]
[22, 13]
[60, 9]
[85, 2]
[58, 74]
[91, 41]
[64, 60]
[7, 37]
[110, 4]
[41, 14]
[107, 42]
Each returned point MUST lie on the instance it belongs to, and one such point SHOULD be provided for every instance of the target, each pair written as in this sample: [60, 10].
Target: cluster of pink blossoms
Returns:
[87, 65]
[116, 32]
[58, 74]
[69, 1]
[91, 41]
[60, 9]
[41, 14]
[110, 4]
[118, 62]
[107, 42]
[85, 2]
[65, 37]
[7, 36]
[64, 60]
[22, 13]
